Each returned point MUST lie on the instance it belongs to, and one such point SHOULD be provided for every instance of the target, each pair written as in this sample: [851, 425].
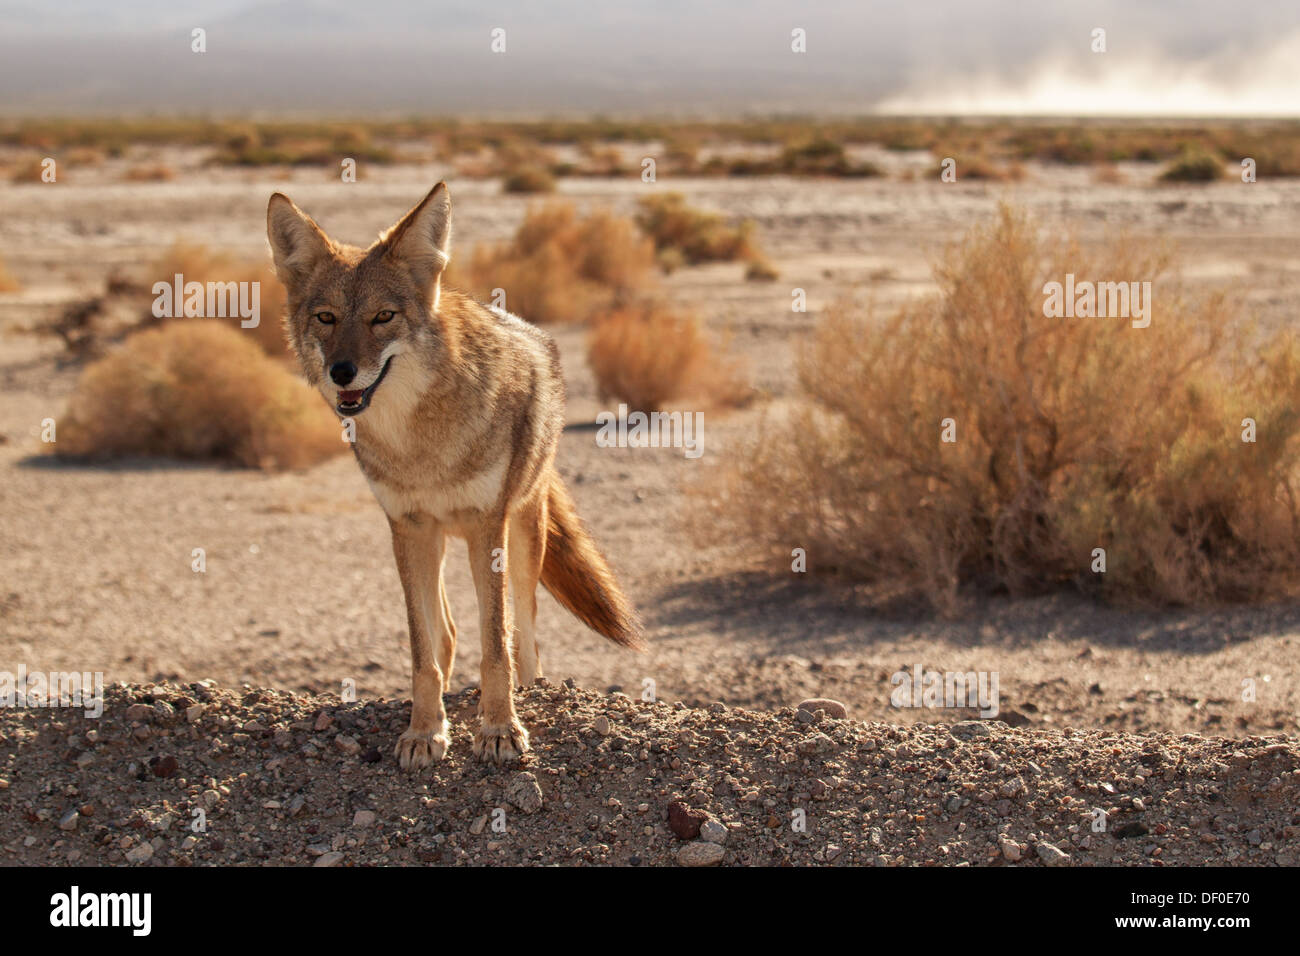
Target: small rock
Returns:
[347, 745]
[69, 820]
[711, 831]
[601, 725]
[139, 712]
[816, 744]
[1132, 828]
[163, 766]
[194, 713]
[323, 721]
[1011, 850]
[363, 818]
[333, 858]
[968, 729]
[684, 821]
[700, 854]
[140, 854]
[1052, 855]
[833, 708]
[525, 793]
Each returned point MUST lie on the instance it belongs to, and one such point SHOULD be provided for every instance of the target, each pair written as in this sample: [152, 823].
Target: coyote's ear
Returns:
[297, 243]
[421, 239]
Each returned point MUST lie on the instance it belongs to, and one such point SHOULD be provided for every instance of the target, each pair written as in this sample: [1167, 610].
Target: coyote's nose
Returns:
[343, 372]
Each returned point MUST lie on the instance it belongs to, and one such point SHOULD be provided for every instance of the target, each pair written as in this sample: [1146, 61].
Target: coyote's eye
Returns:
[382, 317]
[325, 318]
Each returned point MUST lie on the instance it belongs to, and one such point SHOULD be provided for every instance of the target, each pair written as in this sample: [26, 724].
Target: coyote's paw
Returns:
[416, 749]
[501, 743]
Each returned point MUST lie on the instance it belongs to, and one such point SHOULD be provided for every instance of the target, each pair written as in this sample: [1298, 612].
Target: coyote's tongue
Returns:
[351, 397]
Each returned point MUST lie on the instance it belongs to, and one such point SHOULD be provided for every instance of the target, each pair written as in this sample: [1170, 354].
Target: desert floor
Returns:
[301, 592]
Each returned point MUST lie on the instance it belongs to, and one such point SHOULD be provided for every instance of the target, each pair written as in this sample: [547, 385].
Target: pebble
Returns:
[1052, 855]
[685, 821]
[525, 792]
[711, 831]
[969, 729]
[164, 765]
[363, 818]
[833, 708]
[140, 854]
[700, 854]
[602, 726]
[333, 858]
[347, 745]
[69, 820]
[816, 744]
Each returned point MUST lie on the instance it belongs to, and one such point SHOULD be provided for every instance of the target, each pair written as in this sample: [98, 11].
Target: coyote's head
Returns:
[354, 312]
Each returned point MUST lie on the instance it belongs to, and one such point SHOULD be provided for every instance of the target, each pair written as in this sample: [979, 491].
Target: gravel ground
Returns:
[295, 779]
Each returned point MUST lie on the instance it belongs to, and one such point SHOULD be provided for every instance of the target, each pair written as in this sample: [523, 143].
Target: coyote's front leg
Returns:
[418, 543]
[502, 738]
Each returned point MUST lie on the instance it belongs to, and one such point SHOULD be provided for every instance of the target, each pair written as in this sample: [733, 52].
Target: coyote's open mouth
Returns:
[353, 400]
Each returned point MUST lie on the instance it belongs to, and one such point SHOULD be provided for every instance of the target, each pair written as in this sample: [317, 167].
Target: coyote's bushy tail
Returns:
[575, 573]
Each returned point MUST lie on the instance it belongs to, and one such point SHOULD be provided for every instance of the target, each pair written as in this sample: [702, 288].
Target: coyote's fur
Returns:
[458, 409]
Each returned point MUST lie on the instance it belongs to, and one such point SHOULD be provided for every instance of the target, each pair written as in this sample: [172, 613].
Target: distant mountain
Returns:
[665, 57]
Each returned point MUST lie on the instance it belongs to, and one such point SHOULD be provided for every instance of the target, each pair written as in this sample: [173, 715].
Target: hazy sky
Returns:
[669, 57]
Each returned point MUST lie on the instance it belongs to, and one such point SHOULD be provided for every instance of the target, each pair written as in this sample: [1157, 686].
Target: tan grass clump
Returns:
[197, 263]
[648, 356]
[699, 236]
[150, 173]
[7, 282]
[560, 267]
[197, 390]
[1071, 434]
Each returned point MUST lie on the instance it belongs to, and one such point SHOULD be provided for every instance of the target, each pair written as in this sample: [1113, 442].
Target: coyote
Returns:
[457, 410]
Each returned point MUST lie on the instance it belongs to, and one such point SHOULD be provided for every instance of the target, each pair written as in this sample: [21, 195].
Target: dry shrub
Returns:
[761, 269]
[7, 282]
[199, 264]
[647, 356]
[560, 267]
[528, 179]
[1108, 174]
[698, 235]
[1194, 166]
[1071, 434]
[156, 173]
[31, 169]
[198, 390]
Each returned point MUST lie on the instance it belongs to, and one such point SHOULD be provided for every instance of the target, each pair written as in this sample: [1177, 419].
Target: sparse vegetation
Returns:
[793, 146]
[197, 390]
[154, 173]
[528, 179]
[1193, 166]
[1070, 435]
[697, 235]
[199, 264]
[7, 282]
[561, 267]
[648, 356]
